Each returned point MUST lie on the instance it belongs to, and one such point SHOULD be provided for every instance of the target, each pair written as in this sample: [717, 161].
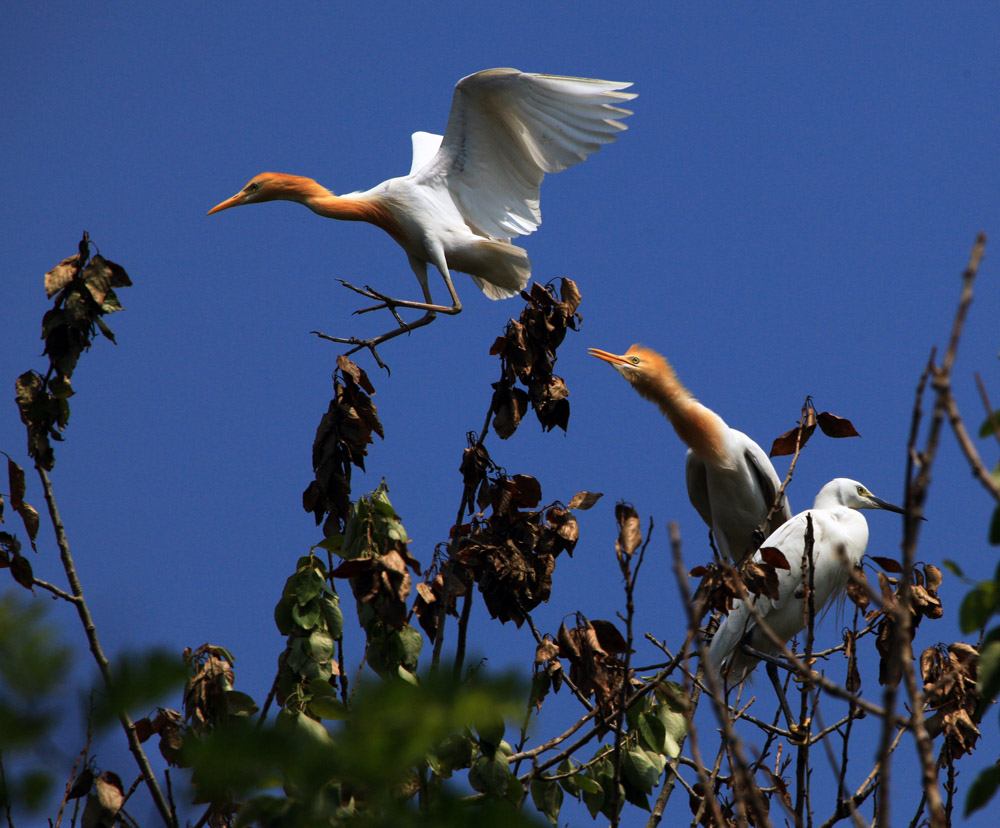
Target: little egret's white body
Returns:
[840, 537]
[730, 480]
[477, 186]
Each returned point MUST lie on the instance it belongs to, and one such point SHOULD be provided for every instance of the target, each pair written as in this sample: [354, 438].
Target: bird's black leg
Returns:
[771, 665]
[772, 673]
[391, 304]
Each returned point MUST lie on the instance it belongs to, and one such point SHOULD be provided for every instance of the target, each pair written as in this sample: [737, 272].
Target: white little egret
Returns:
[730, 480]
[840, 537]
[473, 189]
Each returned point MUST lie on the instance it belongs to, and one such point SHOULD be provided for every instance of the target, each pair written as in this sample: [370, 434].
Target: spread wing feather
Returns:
[506, 130]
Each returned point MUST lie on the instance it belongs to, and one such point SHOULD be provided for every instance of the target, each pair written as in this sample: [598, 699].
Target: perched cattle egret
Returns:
[730, 479]
[473, 189]
[840, 536]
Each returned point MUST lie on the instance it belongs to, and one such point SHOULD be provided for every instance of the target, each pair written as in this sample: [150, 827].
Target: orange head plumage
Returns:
[271, 186]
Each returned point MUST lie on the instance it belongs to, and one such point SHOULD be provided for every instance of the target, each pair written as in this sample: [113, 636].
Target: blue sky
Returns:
[788, 214]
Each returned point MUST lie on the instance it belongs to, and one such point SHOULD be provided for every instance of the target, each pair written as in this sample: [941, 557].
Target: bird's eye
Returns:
[252, 187]
[634, 360]
[862, 491]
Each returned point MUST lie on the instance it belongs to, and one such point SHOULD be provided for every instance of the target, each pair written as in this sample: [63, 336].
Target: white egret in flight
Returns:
[471, 190]
[730, 480]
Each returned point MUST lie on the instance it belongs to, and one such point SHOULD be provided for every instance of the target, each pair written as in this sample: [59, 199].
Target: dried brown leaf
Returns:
[858, 589]
[570, 295]
[888, 564]
[834, 426]
[546, 650]
[629, 534]
[15, 476]
[933, 576]
[608, 636]
[20, 568]
[526, 490]
[61, 275]
[584, 500]
[785, 444]
[775, 557]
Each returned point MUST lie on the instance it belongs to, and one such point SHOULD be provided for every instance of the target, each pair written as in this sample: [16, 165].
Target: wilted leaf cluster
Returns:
[84, 292]
[722, 585]
[527, 353]
[342, 440]
[924, 602]
[830, 424]
[594, 650]
[10, 546]
[951, 689]
[511, 554]
[83, 287]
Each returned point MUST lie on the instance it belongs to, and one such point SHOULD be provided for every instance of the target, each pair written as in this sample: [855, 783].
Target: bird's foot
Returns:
[358, 345]
[384, 301]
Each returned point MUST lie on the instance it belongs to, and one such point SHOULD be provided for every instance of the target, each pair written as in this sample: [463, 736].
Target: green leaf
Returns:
[989, 671]
[283, 615]
[324, 703]
[321, 645]
[568, 783]
[490, 731]
[308, 585]
[953, 568]
[640, 770]
[978, 605]
[454, 752]
[635, 796]
[330, 607]
[548, 798]
[987, 428]
[332, 543]
[588, 785]
[593, 794]
[410, 642]
[240, 704]
[994, 536]
[306, 615]
[490, 776]
[653, 732]
[982, 789]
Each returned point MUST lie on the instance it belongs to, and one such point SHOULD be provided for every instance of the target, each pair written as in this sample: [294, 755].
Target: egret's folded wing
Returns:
[506, 130]
[696, 476]
[767, 479]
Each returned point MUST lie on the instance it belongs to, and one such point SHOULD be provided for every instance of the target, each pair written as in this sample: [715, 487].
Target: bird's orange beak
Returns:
[614, 359]
[229, 202]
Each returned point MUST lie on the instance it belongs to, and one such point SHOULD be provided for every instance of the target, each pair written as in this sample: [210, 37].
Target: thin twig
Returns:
[103, 665]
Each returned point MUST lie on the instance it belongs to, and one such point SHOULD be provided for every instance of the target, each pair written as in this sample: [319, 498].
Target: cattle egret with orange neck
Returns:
[470, 191]
[730, 480]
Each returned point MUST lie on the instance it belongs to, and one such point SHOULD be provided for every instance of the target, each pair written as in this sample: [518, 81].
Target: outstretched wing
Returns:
[425, 146]
[506, 130]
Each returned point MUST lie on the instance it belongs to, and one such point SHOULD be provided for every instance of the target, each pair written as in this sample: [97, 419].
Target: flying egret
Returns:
[840, 536]
[730, 480]
[472, 190]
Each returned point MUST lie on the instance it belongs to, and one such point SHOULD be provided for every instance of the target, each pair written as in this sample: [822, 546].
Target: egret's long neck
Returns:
[702, 429]
[324, 203]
